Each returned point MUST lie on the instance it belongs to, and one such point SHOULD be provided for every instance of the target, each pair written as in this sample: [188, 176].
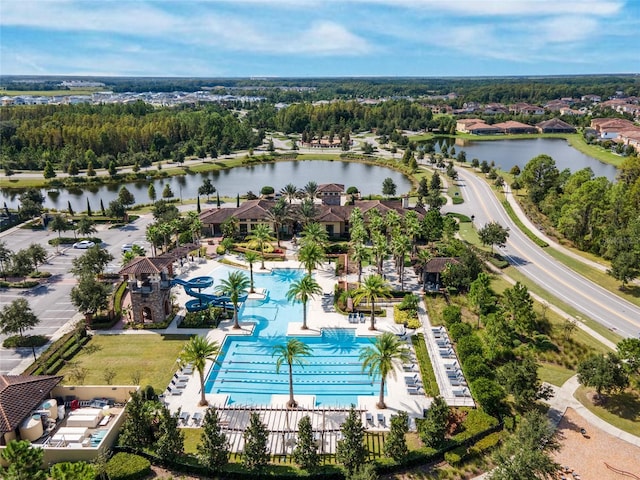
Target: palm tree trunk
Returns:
[203, 400]
[381, 403]
[251, 289]
[236, 325]
[373, 314]
[292, 401]
[304, 316]
[262, 252]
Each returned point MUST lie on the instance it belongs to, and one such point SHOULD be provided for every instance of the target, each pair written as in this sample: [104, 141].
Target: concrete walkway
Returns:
[563, 398]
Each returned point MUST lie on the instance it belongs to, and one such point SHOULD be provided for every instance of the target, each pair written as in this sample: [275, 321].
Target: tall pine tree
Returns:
[170, 443]
[395, 445]
[351, 451]
[306, 451]
[213, 450]
[255, 455]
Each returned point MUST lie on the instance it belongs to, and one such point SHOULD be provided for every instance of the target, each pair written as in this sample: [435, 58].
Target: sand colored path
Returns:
[588, 456]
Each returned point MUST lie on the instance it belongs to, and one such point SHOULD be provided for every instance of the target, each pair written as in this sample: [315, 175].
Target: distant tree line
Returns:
[94, 136]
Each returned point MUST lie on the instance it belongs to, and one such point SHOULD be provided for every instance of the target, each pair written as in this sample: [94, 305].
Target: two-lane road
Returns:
[585, 296]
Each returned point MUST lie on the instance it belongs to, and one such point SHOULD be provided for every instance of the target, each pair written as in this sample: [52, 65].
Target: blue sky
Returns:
[310, 38]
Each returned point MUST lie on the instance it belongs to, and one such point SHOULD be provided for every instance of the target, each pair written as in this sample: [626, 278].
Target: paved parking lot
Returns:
[50, 301]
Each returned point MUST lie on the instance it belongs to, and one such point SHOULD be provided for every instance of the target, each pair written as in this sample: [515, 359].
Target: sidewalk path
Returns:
[563, 398]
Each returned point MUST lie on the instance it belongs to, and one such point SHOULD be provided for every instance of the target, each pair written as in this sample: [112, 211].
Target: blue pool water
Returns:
[247, 371]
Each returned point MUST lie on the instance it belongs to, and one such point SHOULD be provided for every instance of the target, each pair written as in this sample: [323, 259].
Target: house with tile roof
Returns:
[513, 127]
[331, 193]
[555, 125]
[608, 128]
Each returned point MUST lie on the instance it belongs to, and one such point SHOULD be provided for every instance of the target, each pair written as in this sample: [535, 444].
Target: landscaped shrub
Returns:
[127, 466]
[485, 444]
[26, 341]
[456, 456]
[451, 314]
[469, 345]
[459, 330]
[475, 422]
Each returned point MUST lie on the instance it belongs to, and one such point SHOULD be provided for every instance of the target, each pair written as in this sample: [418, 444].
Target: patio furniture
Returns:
[197, 418]
[184, 417]
[362, 319]
[369, 417]
[381, 420]
[174, 391]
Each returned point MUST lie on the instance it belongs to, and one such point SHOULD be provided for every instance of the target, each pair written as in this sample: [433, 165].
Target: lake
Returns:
[507, 153]
[367, 178]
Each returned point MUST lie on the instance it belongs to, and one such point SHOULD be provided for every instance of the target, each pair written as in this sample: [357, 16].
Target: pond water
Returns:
[507, 153]
[367, 178]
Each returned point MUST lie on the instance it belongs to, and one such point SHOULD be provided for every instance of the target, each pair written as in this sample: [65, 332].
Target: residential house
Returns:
[555, 125]
[630, 137]
[609, 128]
[526, 109]
[476, 126]
[512, 127]
[591, 98]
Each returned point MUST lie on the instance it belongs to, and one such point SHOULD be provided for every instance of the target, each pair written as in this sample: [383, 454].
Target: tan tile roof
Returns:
[331, 187]
[554, 123]
[20, 394]
[512, 124]
[147, 265]
[438, 264]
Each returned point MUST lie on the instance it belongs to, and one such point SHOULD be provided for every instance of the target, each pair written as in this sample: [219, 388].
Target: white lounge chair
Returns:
[381, 420]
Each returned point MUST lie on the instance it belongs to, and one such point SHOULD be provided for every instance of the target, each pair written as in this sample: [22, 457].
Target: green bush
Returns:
[26, 284]
[457, 200]
[476, 421]
[28, 341]
[485, 444]
[414, 323]
[117, 297]
[456, 456]
[127, 466]
[39, 274]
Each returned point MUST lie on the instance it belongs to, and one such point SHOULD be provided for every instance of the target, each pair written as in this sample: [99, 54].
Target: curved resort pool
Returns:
[247, 371]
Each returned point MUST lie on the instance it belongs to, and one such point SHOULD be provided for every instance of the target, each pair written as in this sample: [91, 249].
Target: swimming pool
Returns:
[247, 371]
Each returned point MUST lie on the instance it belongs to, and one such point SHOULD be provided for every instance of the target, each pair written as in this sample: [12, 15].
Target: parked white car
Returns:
[84, 244]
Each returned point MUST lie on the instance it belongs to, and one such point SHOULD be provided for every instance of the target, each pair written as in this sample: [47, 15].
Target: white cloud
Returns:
[512, 7]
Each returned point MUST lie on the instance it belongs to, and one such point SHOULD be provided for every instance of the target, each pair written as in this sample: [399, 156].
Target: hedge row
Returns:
[532, 236]
[58, 354]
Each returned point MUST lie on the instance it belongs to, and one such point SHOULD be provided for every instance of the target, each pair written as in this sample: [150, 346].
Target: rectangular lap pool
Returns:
[247, 371]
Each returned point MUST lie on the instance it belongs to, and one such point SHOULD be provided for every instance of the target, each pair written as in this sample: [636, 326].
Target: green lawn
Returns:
[621, 410]
[152, 356]
[554, 374]
[48, 93]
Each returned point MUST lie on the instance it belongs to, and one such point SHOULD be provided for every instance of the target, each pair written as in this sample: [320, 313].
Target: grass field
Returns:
[48, 93]
[153, 357]
[554, 374]
[621, 410]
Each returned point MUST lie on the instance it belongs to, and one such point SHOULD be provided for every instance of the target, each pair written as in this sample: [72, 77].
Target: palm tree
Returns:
[234, 287]
[422, 258]
[316, 233]
[85, 227]
[303, 290]
[400, 245]
[196, 352]
[310, 190]
[291, 352]
[279, 214]
[289, 192]
[154, 237]
[360, 254]
[262, 235]
[381, 357]
[307, 211]
[311, 256]
[251, 258]
[373, 287]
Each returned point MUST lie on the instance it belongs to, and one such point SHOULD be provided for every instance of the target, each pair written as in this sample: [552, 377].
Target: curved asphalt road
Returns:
[585, 296]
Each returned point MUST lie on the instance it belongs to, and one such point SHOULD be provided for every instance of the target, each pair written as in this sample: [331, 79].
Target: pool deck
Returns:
[320, 315]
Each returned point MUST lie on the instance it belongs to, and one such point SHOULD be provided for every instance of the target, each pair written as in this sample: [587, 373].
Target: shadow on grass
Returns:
[633, 290]
[624, 405]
